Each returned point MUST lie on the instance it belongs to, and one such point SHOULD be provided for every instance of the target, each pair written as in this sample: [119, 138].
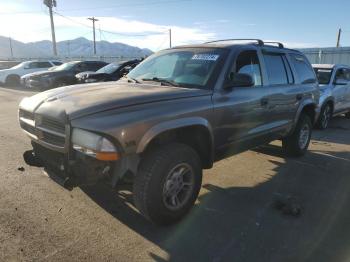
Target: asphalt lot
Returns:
[234, 218]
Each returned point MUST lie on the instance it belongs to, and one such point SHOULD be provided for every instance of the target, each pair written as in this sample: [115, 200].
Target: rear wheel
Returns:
[298, 143]
[13, 80]
[325, 117]
[167, 183]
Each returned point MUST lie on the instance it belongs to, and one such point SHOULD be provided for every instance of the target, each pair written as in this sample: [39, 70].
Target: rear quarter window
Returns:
[304, 70]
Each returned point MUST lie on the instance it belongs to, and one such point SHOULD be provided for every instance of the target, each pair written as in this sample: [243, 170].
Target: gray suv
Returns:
[334, 83]
[175, 114]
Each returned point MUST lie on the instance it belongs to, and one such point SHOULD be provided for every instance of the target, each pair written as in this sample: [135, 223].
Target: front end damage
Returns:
[72, 157]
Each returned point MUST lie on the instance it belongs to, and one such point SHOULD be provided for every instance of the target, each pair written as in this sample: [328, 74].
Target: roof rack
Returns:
[280, 45]
[260, 42]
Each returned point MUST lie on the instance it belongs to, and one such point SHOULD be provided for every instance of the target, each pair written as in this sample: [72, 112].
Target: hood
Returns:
[85, 99]
[49, 73]
[35, 74]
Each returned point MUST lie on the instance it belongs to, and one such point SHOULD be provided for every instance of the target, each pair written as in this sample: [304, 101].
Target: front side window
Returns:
[43, 65]
[248, 63]
[188, 67]
[304, 70]
[276, 70]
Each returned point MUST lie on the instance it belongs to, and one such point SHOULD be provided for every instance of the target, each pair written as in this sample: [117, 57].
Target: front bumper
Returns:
[51, 144]
[38, 84]
[71, 170]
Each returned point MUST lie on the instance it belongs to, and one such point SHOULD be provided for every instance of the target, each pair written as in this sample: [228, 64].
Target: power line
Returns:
[111, 32]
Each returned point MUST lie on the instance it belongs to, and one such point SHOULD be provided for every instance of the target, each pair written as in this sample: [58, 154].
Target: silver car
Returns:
[334, 83]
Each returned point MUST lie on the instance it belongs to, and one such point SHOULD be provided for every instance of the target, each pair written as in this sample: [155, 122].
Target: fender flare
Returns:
[306, 102]
[171, 125]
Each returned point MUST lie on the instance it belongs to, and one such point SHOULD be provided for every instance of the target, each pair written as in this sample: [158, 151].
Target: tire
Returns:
[325, 117]
[154, 188]
[295, 145]
[13, 81]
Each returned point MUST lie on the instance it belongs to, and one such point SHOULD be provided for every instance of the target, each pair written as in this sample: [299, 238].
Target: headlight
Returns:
[94, 145]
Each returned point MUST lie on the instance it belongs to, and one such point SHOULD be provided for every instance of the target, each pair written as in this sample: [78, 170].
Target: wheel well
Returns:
[12, 75]
[310, 111]
[197, 137]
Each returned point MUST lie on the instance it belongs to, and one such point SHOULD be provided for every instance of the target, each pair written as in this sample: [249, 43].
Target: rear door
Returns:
[241, 112]
[282, 91]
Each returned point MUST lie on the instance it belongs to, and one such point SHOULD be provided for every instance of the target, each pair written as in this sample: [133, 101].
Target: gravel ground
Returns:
[235, 218]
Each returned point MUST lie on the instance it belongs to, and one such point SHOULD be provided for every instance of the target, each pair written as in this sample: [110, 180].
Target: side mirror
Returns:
[340, 82]
[239, 80]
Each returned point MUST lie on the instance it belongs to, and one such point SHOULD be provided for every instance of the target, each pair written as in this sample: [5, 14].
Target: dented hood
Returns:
[81, 100]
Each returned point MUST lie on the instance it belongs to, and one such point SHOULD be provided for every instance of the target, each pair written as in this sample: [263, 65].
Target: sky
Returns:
[146, 23]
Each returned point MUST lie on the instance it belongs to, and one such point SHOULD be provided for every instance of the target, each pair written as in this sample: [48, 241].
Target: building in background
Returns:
[328, 55]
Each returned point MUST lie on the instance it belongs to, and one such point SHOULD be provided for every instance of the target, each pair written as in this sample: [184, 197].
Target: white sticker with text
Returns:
[206, 57]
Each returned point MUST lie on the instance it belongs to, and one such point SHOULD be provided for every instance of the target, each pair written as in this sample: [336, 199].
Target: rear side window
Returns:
[303, 69]
[276, 69]
[57, 63]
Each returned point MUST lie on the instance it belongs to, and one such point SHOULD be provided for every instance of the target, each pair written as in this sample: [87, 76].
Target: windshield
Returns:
[65, 66]
[109, 69]
[23, 64]
[188, 67]
[323, 75]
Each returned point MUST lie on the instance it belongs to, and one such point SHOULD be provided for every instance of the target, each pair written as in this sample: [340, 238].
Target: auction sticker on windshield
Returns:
[207, 57]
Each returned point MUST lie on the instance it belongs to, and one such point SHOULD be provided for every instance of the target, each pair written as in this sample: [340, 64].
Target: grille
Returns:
[30, 129]
[52, 124]
[26, 114]
[53, 139]
[45, 129]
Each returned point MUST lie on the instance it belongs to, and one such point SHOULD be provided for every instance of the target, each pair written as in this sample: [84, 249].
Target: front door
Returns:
[241, 112]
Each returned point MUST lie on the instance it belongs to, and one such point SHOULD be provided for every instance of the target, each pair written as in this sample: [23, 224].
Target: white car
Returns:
[12, 76]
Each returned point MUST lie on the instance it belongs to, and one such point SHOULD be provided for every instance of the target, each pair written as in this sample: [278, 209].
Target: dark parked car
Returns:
[111, 72]
[62, 75]
[175, 114]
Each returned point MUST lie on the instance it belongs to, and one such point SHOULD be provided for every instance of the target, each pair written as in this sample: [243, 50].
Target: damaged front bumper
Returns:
[76, 170]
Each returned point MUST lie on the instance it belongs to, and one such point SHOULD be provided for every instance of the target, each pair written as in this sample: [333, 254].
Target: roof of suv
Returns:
[234, 43]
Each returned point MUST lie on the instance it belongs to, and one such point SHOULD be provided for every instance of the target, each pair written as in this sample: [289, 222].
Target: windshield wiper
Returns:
[132, 80]
[161, 80]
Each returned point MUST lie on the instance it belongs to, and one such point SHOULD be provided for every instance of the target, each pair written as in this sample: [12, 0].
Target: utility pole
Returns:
[338, 38]
[170, 38]
[50, 4]
[93, 19]
[10, 40]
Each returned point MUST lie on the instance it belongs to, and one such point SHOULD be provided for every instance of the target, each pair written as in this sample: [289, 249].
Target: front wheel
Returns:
[167, 183]
[13, 81]
[325, 117]
[298, 143]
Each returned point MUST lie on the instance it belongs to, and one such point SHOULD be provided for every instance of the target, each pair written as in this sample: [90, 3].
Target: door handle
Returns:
[264, 101]
[299, 97]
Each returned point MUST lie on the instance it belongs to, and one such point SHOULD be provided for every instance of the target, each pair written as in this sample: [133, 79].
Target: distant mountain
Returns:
[80, 47]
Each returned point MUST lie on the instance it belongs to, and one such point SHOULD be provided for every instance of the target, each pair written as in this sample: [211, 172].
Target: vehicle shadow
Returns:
[243, 223]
